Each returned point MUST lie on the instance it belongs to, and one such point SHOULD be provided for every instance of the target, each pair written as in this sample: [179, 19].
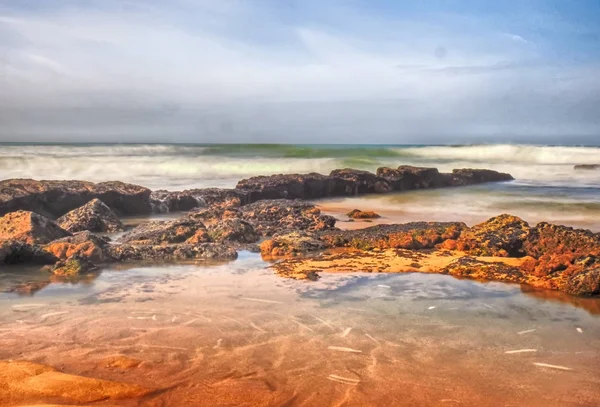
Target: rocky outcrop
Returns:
[73, 266]
[165, 201]
[55, 198]
[167, 232]
[501, 236]
[350, 182]
[268, 217]
[358, 214]
[233, 231]
[172, 252]
[29, 227]
[83, 244]
[16, 252]
[414, 236]
[94, 216]
[471, 267]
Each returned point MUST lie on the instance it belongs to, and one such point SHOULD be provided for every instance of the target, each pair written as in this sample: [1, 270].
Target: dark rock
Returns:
[285, 186]
[94, 216]
[414, 236]
[29, 227]
[358, 214]
[470, 176]
[173, 252]
[165, 201]
[17, 252]
[82, 244]
[74, 265]
[407, 177]
[587, 167]
[55, 198]
[167, 232]
[233, 230]
[349, 182]
[502, 236]
[275, 216]
[585, 283]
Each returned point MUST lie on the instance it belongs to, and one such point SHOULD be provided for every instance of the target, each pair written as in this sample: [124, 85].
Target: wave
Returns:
[182, 166]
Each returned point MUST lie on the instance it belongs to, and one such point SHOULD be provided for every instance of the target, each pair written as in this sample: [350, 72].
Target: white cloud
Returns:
[238, 61]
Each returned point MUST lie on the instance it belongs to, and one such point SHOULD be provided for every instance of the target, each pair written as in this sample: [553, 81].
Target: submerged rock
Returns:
[172, 252]
[587, 167]
[55, 198]
[167, 232]
[17, 252]
[94, 216]
[358, 214]
[29, 227]
[74, 265]
[28, 382]
[82, 244]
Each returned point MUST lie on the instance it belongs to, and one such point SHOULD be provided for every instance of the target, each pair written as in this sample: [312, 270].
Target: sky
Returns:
[300, 71]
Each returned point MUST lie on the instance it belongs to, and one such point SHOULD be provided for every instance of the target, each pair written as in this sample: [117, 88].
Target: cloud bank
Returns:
[294, 71]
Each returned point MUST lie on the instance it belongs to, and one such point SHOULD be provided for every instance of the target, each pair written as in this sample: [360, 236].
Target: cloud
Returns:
[248, 70]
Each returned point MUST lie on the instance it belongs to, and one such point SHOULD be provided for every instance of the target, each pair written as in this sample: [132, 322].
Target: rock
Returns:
[358, 214]
[470, 267]
[94, 216]
[74, 265]
[414, 236]
[562, 250]
[587, 167]
[501, 236]
[273, 216]
[585, 283]
[22, 382]
[29, 227]
[17, 252]
[82, 244]
[291, 244]
[165, 201]
[167, 232]
[470, 176]
[55, 198]
[349, 182]
[172, 252]
[233, 230]
[407, 177]
[285, 186]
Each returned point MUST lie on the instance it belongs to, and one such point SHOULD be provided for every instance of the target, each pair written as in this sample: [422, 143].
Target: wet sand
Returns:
[236, 334]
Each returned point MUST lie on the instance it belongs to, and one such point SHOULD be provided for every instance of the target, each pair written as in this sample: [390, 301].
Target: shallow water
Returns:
[236, 334]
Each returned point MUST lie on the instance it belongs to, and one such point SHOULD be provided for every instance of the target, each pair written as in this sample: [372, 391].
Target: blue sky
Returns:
[300, 71]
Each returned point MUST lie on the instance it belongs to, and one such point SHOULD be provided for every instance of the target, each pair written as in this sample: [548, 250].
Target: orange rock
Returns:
[358, 214]
[29, 227]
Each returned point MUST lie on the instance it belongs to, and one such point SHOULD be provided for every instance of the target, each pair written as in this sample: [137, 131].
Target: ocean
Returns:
[236, 333]
[546, 186]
